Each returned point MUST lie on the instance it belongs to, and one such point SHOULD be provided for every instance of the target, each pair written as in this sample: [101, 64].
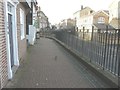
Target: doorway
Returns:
[11, 39]
[11, 36]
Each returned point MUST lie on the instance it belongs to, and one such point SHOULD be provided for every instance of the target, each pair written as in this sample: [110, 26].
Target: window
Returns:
[101, 20]
[9, 6]
[91, 11]
[22, 24]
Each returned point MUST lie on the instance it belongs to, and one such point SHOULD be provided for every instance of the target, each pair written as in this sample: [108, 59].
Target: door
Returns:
[11, 39]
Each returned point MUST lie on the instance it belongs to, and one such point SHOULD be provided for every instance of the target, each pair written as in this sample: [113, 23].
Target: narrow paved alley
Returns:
[49, 65]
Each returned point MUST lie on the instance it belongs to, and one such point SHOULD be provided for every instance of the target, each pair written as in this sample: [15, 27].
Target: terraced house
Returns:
[13, 43]
[89, 18]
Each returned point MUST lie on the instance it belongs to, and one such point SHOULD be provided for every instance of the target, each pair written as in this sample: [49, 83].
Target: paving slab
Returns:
[49, 65]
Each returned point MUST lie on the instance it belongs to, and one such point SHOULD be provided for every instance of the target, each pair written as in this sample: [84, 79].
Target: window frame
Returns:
[101, 19]
[22, 26]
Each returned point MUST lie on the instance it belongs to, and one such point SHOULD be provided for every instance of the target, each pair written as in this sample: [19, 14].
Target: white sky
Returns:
[56, 10]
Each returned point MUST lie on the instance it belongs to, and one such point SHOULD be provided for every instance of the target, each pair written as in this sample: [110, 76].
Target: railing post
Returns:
[91, 41]
[105, 46]
[118, 58]
[83, 41]
[83, 32]
[77, 42]
[92, 33]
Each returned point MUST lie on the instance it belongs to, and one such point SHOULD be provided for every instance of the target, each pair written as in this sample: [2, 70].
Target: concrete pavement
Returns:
[48, 65]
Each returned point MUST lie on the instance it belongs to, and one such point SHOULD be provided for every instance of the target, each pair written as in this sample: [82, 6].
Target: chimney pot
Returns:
[81, 7]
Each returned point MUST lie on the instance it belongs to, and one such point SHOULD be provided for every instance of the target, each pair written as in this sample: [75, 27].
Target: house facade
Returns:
[70, 23]
[67, 24]
[114, 16]
[101, 20]
[9, 50]
[21, 11]
[76, 16]
[101, 17]
[86, 18]
[13, 41]
[91, 18]
[62, 24]
[43, 20]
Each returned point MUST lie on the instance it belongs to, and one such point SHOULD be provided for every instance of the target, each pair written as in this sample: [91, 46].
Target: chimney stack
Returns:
[39, 8]
[81, 7]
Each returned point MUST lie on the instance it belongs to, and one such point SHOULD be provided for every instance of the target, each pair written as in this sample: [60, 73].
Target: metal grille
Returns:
[100, 46]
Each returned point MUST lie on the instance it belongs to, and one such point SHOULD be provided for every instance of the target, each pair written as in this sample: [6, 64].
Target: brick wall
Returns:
[3, 52]
[22, 44]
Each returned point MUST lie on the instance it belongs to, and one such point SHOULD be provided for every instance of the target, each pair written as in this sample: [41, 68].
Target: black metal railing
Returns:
[99, 46]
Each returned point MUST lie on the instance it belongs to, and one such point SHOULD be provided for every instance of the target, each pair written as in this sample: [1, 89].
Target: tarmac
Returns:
[49, 65]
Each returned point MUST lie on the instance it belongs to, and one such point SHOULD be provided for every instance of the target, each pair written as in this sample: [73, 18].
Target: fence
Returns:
[100, 46]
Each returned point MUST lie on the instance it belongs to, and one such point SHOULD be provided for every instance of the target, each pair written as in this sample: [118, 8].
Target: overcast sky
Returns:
[56, 10]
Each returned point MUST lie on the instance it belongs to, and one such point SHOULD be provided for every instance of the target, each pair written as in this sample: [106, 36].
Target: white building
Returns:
[114, 13]
[76, 16]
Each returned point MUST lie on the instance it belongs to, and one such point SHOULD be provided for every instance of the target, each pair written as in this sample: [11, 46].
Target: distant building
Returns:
[62, 24]
[43, 20]
[114, 16]
[76, 16]
[67, 24]
[101, 19]
[86, 18]
[89, 18]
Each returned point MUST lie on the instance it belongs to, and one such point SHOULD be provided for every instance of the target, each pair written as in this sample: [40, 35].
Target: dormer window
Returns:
[101, 20]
